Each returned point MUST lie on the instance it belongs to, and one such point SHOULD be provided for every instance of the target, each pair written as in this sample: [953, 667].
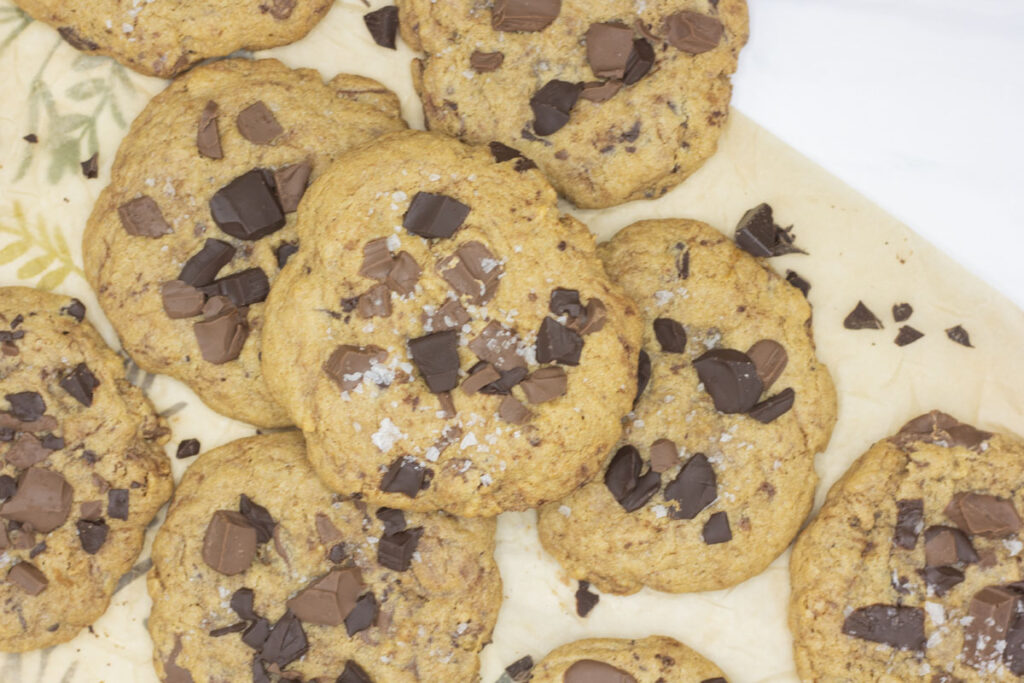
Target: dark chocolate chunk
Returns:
[670, 335]
[524, 15]
[941, 579]
[608, 49]
[259, 517]
[76, 309]
[117, 503]
[222, 335]
[730, 377]
[597, 92]
[909, 523]
[641, 59]
[693, 32]
[498, 346]
[902, 312]
[960, 336]
[485, 62]
[236, 627]
[556, 343]
[383, 25]
[394, 520]
[257, 633]
[513, 411]
[585, 599]
[363, 615]
[91, 166]
[337, 553]
[565, 302]
[551, 105]
[794, 279]
[279, 9]
[774, 406]
[519, 670]
[242, 604]
[181, 300]
[92, 535]
[1013, 655]
[8, 486]
[694, 488]
[347, 364]
[187, 448]
[208, 134]
[202, 268]
[861, 318]
[229, 545]
[945, 545]
[247, 207]
[503, 153]
[38, 549]
[984, 515]
[80, 383]
[285, 252]
[27, 406]
[142, 217]
[716, 529]
[625, 483]
[480, 375]
[716, 679]
[51, 442]
[434, 215]
[939, 428]
[595, 315]
[992, 609]
[757, 234]
[770, 359]
[31, 138]
[643, 375]
[593, 671]
[290, 183]
[395, 551]
[898, 626]
[437, 358]
[257, 124]
[286, 642]
[353, 673]
[503, 385]
[907, 335]
[405, 476]
[28, 578]
[75, 40]
[43, 499]
[328, 599]
[545, 384]
[244, 288]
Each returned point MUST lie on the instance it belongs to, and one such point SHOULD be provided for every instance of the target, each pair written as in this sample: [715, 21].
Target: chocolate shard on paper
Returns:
[363, 614]
[586, 600]
[383, 25]
[290, 183]
[693, 489]
[774, 406]
[229, 544]
[663, 455]
[257, 124]
[485, 62]
[909, 523]
[405, 476]
[43, 500]
[395, 551]
[545, 384]
[593, 671]
[80, 384]
[551, 105]
[436, 356]
[716, 529]
[898, 626]
[91, 166]
[758, 235]
[142, 217]
[641, 59]
[907, 335]
[348, 364]
[208, 134]
[959, 335]
[202, 268]
[181, 300]
[329, 599]
[624, 481]
[861, 318]
[945, 545]
[793, 278]
[692, 32]
[902, 312]
[984, 515]
[670, 335]
[992, 609]
[524, 15]
[556, 343]
[730, 377]
[28, 578]
[770, 359]
[187, 448]
[608, 49]
[247, 207]
[434, 215]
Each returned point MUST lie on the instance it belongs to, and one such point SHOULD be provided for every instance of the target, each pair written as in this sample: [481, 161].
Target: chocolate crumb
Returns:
[383, 25]
[861, 318]
[902, 312]
[187, 448]
[907, 335]
[585, 599]
[91, 166]
[959, 335]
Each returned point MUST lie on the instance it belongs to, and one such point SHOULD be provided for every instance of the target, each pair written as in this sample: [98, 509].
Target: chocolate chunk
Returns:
[565, 302]
[909, 522]
[593, 319]
[498, 346]
[236, 627]
[663, 455]
[670, 335]
[257, 516]
[434, 215]
[524, 15]
[902, 312]
[208, 134]
[91, 166]
[861, 318]
[898, 626]
[8, 486]
[513, 411]
[731, 379]
[353, 673]
[944, 545]
[758, 235]
[363, 615]
[202, 268]
[404, 274]
[377, 260]
[92, 535]
[984, 515]
[92, 510]
[117, 503]
[545, 384]
[693, 32]
[375, 302]
[31, 138]
[592, 671]
[348, 364]
[939, 428]
[285, 252]
[244, 288]
[794, 279]
[960, 336]
[51, 442]
[337, 553]
[598, 92]
[437, 358]
[483, 267]
[247, 207]
[485, 62]
[503, 385]
[716, 529]
[716, 679]
[907, 335]
[143, 218]
[405, 476]
[242, 604]
[394, 520]
[221, 336]
[28, 578]
[75, 40]
[286, 642]
[585, 599]
[257, 124]
[519, 670]
[992, 610]
[229, 545]
[941, 579]
[80, 383]
[625, 483]
[27, 451]
[774, 406]
[257, 633]
[43, 500]
[480, 376]
[187, 448]
[1013, 655]
[608, 49]
[328, 599]
[76, 309]
[551, 105]
[503, 153]
[395, 551]
[291, 182]
[383, 25]
[556, 343]
[694, 488]
[27, 406]
[770, 359]
[641, 59]
[181, 300]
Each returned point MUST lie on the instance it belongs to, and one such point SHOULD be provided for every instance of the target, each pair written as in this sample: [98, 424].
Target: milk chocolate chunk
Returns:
[608, 49]
[480, 376]
[959, 335]
[229, 545]
[498, 346]
[247, 207]
[26, 451]
[519, 670]
[664, 455]
[377, 259]
[524, 15]
[984, 515]
[348, 364]
[670, 335]
[405, 476]
[181, 300]
[208, 134]
[483, 267]
[485, 62]
[80, 384]
[92, 535]
[286, 642]
[641, 59]
[257, 516]
[92, 510]
[592, 671]
[907, 335]
[434, 215]
[774, 406]
[625, 483]
[716, 529]
[503, 385]
[202, 268]
[28, 578]
[395, 551]
[27, 406]
[556, 343]
[502, 153]
[404, 274]
[551, 105]
[909, 523]
[861, 318]
[643, 375]
[992, 609]
[586, 600]
[1013, 655]
[902, 312]
[730, 377]
[545, 384]
[437, 358]
[383, 25]
[394, 520]
[222, 335]
[285, 252]
[794, 279]
[694, 488]
[769, 358]
[758, 235]
[257, 124]
[187, 448]
[375, 302]
[941, 579]
[244, 288]
[363, 614]
[593, 319]
[76, 309]
[353, 673]
[43, 500]
[944, 545]
[513, 411]
[91, 166]
[693, 32]
[597, 91]
[898, 626]
[291, 182]
[939, 428]
[143, 218]
[328, 599]
[117, 503]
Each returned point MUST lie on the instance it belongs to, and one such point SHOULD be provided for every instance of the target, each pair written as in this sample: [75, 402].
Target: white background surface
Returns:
[918, 104]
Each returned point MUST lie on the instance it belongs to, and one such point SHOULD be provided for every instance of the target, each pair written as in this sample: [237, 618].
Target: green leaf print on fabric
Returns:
[44, 247]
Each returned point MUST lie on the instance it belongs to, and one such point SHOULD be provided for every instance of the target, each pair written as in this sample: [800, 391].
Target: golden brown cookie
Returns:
[616, 100]
[912, 568]
[261, 570]
[715, 470]
[197, 221]
[82, 470]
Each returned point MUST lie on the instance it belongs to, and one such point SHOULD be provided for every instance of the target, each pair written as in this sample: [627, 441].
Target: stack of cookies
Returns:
[431, 342]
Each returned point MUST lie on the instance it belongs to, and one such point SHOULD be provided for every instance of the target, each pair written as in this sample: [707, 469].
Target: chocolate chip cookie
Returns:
[261, 569]
[198, 219]
[912, 569]
[715, 470]
[445, 338]
[615, 101]
[165, 38]
[608, 660]
[82, 470]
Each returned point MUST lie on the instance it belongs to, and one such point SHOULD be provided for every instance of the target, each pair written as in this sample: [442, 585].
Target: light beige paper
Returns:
[855, 252]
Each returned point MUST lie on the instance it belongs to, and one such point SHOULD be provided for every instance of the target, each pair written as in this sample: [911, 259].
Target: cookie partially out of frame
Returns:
[260, 573]
[164, 38]
[714, 473]
[614, 100]
[198, 218]
[82, 470]
[912, 568]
